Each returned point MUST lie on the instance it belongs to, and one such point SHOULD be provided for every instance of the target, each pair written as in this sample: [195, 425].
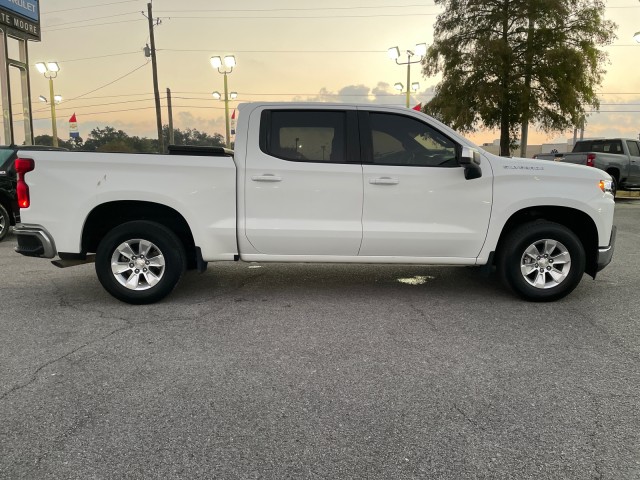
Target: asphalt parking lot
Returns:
[320, 371]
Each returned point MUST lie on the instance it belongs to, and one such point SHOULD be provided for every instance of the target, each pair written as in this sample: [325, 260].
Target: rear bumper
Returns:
[34, 241]
[605, 254]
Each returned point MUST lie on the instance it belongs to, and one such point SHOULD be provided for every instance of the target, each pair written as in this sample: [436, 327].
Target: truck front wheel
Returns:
[140, 262]
[541, 261]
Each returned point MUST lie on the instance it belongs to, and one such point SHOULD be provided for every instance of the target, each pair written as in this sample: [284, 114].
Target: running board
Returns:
[74, 262]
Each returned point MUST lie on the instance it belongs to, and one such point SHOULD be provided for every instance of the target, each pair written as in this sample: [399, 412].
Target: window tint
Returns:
[634, 151]
[304, 136]
[400, 140]
[604, 146]
[5, 154]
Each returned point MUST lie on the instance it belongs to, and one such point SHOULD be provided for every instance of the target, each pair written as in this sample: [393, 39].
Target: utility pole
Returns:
[171, 138]
[154, 66]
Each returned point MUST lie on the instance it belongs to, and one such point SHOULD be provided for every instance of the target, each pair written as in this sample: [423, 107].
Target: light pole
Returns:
[50, 70]
[415, 86]
[229, 63]
[419, 51]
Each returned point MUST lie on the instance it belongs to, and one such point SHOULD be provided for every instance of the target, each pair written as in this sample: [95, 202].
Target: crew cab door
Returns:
[634, 162]
[303, 182]
[417, 202]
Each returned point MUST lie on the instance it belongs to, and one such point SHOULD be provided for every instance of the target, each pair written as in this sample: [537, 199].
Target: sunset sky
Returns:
[285, 50]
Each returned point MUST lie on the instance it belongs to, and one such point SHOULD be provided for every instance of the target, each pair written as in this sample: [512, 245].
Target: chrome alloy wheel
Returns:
[3, 225]
[137, 264]
[545, 263]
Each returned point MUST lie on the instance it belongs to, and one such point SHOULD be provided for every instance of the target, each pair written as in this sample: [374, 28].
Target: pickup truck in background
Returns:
[317, 182]
[619, 157]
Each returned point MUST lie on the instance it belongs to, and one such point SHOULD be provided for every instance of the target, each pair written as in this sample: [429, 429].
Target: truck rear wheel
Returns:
[541, 261]
[140, 262]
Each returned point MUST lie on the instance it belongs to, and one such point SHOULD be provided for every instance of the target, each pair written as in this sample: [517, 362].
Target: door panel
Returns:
[301, 195]
[634, 162]
[429, 212]
[417, 202]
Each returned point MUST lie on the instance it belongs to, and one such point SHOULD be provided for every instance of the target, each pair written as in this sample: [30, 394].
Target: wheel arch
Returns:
[580, 223]
[106, 216]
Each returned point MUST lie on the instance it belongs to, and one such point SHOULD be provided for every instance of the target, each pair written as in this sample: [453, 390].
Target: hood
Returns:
[510, 166]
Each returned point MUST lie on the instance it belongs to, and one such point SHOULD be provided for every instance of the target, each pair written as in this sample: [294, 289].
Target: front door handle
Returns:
[384, 181]
[267, 177]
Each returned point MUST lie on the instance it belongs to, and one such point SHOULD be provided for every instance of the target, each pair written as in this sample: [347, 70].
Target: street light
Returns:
[420, 50]
[50, 71]
[57, 99]
[415, 86]
[229, 62]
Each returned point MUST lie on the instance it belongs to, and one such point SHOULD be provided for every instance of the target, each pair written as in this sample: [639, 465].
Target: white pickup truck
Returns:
[312, 182]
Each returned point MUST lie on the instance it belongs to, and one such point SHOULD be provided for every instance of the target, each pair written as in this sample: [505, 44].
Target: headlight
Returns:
[606, 186]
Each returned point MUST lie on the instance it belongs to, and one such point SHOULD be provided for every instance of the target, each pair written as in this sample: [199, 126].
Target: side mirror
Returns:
[470, 160]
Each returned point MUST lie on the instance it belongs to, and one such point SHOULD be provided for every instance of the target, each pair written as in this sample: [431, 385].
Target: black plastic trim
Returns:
[605, 255]
[201, 265]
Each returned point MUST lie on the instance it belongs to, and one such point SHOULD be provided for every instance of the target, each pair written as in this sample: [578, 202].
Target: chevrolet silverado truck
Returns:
[310, 182]
[619, 157]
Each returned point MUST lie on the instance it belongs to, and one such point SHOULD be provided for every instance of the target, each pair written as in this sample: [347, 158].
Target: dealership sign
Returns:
[21, 16]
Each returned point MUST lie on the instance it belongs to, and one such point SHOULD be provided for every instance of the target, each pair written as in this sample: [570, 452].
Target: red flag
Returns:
[233, 122]
[418, 107]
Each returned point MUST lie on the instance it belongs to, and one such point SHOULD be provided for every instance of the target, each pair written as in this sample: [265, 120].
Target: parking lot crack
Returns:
[34, 375]
[467, 418]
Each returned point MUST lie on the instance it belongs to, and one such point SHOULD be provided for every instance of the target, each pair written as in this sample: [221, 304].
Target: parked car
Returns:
[315, 182]
[9, 211]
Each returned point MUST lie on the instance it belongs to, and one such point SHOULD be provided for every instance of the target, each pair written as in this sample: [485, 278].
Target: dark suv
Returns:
[9, 211]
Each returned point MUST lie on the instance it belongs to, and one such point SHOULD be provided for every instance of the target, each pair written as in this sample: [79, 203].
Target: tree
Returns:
[506, 63]
[191, 136]
[108, 139]
[71, 144]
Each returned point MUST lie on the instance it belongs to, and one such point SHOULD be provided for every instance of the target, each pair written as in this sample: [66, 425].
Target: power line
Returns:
[419, 5]
[121, 111]
[137, 52]
[89, 6]
[90, 19]
[271, 51]
[218, 17]
[297, 17]
[110, 83]
[107, 84]
[86, 26]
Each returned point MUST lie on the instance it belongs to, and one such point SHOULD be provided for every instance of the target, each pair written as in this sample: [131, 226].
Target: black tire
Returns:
[165, 248]
[5, 222]
[514, 261]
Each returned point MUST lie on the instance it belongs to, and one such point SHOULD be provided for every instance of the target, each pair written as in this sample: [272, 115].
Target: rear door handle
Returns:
[267, 177]
[384, 181]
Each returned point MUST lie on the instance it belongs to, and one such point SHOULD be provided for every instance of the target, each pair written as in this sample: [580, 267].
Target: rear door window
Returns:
[634, 151]
[305, 136]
